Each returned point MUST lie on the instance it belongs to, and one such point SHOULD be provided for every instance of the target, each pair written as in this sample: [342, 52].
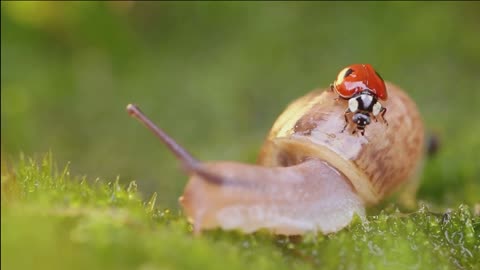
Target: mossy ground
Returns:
[51, 220]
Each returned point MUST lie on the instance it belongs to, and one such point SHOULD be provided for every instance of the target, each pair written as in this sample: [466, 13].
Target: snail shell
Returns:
[376, 164]
[310, 176]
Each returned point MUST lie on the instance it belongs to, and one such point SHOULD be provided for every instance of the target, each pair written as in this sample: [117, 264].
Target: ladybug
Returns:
[363, 87]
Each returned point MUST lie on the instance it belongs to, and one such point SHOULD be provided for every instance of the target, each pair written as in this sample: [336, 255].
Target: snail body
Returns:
[310, 176]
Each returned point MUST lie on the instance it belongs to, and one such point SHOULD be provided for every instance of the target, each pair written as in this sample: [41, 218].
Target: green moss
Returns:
[51, 220]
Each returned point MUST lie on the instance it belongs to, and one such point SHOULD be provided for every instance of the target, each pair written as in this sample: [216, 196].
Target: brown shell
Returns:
[376, 163]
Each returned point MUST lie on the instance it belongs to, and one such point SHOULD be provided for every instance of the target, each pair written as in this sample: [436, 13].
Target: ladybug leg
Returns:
[331, 87]
[347, 111]
[382, 113]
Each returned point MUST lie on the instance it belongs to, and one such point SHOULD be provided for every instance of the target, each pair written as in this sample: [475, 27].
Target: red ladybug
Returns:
[363, 87]
[358, 77]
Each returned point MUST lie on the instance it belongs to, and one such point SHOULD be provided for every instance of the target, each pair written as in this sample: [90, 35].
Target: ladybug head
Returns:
[361, 119]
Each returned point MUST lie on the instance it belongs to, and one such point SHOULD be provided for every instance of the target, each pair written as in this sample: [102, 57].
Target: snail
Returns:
[309, 176]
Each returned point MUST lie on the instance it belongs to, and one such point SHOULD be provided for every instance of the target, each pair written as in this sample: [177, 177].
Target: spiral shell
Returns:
[376, 164]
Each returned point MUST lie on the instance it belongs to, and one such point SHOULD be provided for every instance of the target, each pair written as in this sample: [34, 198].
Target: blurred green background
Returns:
[215, 75]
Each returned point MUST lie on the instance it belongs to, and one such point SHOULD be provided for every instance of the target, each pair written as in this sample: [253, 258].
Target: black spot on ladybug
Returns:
[379, 75]
[349, 71]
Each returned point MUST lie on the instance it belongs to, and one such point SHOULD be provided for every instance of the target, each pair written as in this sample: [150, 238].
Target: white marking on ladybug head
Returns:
[353, 104]
[377, 107]
[366, 100]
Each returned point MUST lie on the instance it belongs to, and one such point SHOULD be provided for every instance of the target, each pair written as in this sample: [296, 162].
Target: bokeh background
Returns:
[215, 75]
